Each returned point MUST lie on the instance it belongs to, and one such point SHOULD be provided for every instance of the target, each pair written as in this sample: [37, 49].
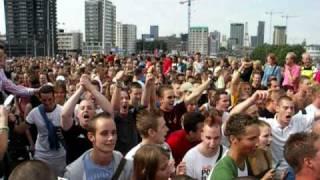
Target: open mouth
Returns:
[86, 116]
[288, 116]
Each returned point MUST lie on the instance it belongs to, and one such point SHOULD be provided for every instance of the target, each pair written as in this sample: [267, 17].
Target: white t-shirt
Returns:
[42, 147]
[298, 123]
[199, 166]
[311, 109]
[133, 151]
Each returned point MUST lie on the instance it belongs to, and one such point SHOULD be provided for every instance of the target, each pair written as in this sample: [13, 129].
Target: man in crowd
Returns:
[76, 131]
[181, 141]
[102, 161]
[202, 158]
[302, 152]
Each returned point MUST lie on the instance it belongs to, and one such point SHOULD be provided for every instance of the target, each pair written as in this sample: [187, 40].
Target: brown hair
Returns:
[147, 120]
[237, 124]
[164, 88]
[298, 147]
[33, 169]
[146, 161]
[92, 123]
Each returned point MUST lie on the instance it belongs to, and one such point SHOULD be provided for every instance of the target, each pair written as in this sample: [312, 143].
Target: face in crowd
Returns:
[285, 110]
[167, 100]
[211, 137]
[86, 112]
[124, 103]
[160, 133]
[48, 101]
[105, 136]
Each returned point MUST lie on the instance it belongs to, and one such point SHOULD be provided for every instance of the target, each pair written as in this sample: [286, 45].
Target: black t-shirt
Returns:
[265, 113]
[128, 136]
[173, 118]
[77, 142]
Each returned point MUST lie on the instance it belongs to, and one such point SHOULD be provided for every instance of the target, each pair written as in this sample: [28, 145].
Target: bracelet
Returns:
[4, 129]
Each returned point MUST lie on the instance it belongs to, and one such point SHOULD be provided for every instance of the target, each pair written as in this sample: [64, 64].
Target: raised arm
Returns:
[147, 91]
[197, 92]
[101, 100]
[241, 107]
[116, 95]
[4, 130]
[68, 109]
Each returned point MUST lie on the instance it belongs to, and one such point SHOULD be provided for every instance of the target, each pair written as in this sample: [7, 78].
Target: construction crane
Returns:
[271, 13]
[189, 12]
[286, 17]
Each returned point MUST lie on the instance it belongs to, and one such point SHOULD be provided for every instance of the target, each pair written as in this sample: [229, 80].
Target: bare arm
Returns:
[146, 94]
[197, 92]
[4, 131]
[116, 96]
[66, 119]
[241, 107]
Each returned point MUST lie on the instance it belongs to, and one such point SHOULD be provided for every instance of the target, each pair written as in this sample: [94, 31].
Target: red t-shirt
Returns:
[167, 63]
[179, 144]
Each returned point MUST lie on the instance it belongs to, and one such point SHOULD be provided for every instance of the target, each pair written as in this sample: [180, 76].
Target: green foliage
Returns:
[261, 52]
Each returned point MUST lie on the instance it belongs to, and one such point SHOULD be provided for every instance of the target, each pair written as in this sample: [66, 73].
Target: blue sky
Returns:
[216, 14]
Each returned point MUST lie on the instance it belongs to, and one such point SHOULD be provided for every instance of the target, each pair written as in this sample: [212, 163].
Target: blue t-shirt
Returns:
[97, 172]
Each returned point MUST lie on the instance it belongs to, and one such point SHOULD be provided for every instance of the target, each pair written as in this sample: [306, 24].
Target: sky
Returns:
[171, 16]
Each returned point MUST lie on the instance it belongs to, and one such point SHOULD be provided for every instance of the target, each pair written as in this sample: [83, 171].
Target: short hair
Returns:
[46, 89]
[298, 147]
[217, 95]
[146, 161]
[135, 85]
[237, 124]
[284, 98]
[92, 123]
[60, 85]
[147, 120]
[270, 79]
[292, 55]
[272, 56]
[315, 90]
[190, 121]
[33, 169]
[211, 118]
[164, 88]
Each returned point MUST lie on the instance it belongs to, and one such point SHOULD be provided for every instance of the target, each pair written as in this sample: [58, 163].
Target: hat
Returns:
[187, 86]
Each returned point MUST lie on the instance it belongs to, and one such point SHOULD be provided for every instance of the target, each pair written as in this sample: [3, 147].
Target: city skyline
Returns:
[217, 15]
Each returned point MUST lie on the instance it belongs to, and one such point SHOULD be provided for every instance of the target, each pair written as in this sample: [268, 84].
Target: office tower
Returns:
[214, 43]
[69, 43]
[198, 40]
[100, 26]
[31, 27]
[237, 34]
[154, 32]
[279, 35]
[129, 38]
[260, 33]
[254, 41]
[119, 36]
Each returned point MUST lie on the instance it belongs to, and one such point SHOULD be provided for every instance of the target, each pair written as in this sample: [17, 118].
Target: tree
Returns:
[261, 52]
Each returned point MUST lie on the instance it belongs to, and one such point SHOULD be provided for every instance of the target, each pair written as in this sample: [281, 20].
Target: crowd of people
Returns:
[145, 117]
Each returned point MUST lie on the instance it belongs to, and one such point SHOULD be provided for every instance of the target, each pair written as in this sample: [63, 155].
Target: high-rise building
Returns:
[129, 38]
[69, 43]
[237, 33]
[154, 32]
[100, 26]
[279, 35]
[119, 36]
[214, 43]
[31, 27]
[254, 41]
[260, 33]
[198, 40]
